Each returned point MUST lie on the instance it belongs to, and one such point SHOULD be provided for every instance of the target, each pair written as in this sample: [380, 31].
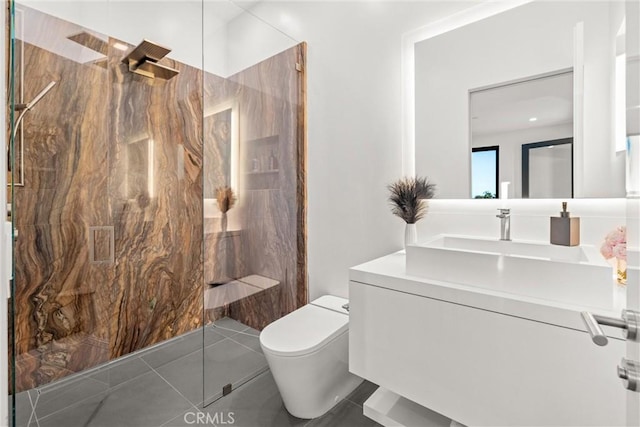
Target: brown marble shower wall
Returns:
[109, 257]
[109, 156]
[267, 226]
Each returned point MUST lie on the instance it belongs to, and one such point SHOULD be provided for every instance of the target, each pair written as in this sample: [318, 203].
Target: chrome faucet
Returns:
[505, 224]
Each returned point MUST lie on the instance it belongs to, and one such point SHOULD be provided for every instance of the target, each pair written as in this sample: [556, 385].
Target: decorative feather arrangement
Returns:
[226, 199]
[408, 196]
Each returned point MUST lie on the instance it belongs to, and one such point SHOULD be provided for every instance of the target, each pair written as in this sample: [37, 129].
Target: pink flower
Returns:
[619, 235]
[620, 252]
[606, 250]
[615, 244]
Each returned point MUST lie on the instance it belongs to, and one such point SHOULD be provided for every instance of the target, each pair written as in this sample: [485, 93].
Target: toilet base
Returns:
[317, 381]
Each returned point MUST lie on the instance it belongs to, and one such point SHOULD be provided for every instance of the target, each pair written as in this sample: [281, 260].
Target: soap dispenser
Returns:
[565, 230]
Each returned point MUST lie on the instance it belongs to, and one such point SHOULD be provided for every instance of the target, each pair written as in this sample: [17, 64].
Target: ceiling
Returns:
[512, 107]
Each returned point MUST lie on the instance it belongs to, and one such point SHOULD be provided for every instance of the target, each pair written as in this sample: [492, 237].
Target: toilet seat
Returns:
[313, 326]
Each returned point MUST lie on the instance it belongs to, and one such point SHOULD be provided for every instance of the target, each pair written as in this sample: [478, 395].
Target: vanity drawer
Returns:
[480, 367]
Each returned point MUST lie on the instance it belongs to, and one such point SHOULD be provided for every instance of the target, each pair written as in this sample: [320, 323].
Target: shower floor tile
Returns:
[56, 396]
[168, 352]
[248, 340]
[185, 374]
[228, 327]
[23, 410]
[120, 372]
[148, 401]
[159, 386]
[231, 363]
[225, 362]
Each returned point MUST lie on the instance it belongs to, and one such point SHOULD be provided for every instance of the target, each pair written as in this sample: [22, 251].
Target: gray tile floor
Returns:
[163, 386]
[258, 404]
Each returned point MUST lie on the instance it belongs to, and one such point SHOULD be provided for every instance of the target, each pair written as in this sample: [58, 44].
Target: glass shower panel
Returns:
[107, 205]
[251, 170]
[62, 258]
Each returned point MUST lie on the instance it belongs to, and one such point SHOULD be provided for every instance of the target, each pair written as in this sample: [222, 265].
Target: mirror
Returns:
[526, 97]
[522, 133]
[221, 150]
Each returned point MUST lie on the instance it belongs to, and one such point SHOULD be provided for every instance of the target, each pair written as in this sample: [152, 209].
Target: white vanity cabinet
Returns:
[478, 357]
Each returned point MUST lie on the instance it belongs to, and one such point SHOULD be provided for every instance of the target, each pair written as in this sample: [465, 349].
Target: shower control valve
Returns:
[629, 373]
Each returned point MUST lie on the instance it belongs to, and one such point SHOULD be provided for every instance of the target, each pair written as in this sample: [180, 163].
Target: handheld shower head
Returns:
[26, 107]
[35, 100]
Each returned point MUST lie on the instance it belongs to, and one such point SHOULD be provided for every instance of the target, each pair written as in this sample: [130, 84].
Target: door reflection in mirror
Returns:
[547, 169]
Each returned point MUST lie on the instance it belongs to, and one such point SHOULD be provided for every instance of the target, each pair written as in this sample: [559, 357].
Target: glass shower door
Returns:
[63, 251]
[252, 141]
[107, 207]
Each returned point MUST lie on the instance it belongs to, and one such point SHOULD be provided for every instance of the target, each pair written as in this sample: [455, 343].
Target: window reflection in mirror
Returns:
[524, 113]
[485, 173]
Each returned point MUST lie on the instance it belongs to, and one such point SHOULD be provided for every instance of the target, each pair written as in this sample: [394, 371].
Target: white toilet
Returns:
[308, 353]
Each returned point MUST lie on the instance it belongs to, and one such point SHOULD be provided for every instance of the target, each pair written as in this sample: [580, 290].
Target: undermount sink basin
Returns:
[575, 275]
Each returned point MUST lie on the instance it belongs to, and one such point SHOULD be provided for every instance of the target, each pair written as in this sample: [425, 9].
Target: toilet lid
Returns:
[303, 331]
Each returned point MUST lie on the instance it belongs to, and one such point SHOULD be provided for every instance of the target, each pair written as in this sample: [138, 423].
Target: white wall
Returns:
[532, 39]
[176, 24]
[215, 34]
[250, 40]
[354, 132]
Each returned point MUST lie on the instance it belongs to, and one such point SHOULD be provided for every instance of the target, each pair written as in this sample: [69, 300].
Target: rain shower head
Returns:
[28, 106]
[143, 60]
[91, 42]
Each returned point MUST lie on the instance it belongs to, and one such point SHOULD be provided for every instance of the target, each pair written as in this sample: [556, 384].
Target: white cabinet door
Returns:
[480, 367]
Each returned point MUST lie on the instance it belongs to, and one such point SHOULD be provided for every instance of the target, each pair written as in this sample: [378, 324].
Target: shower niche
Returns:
[262, 163]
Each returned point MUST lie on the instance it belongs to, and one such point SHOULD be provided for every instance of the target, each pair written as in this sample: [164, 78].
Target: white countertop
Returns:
[390, 272]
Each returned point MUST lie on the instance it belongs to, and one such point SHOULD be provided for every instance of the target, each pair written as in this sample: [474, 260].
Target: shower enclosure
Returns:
[157, 202]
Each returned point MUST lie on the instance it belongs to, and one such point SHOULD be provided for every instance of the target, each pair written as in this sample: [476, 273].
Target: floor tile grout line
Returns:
[76, 403]
[110, 387]
[166, 423]
[247, 347]
[33, 409]
[224, 337]
[245, 333]
[214, 327]
[108, 391]
[138, 354]
[171, 385]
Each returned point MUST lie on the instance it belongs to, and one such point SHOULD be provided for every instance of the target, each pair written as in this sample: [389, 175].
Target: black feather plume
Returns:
[408, 196]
